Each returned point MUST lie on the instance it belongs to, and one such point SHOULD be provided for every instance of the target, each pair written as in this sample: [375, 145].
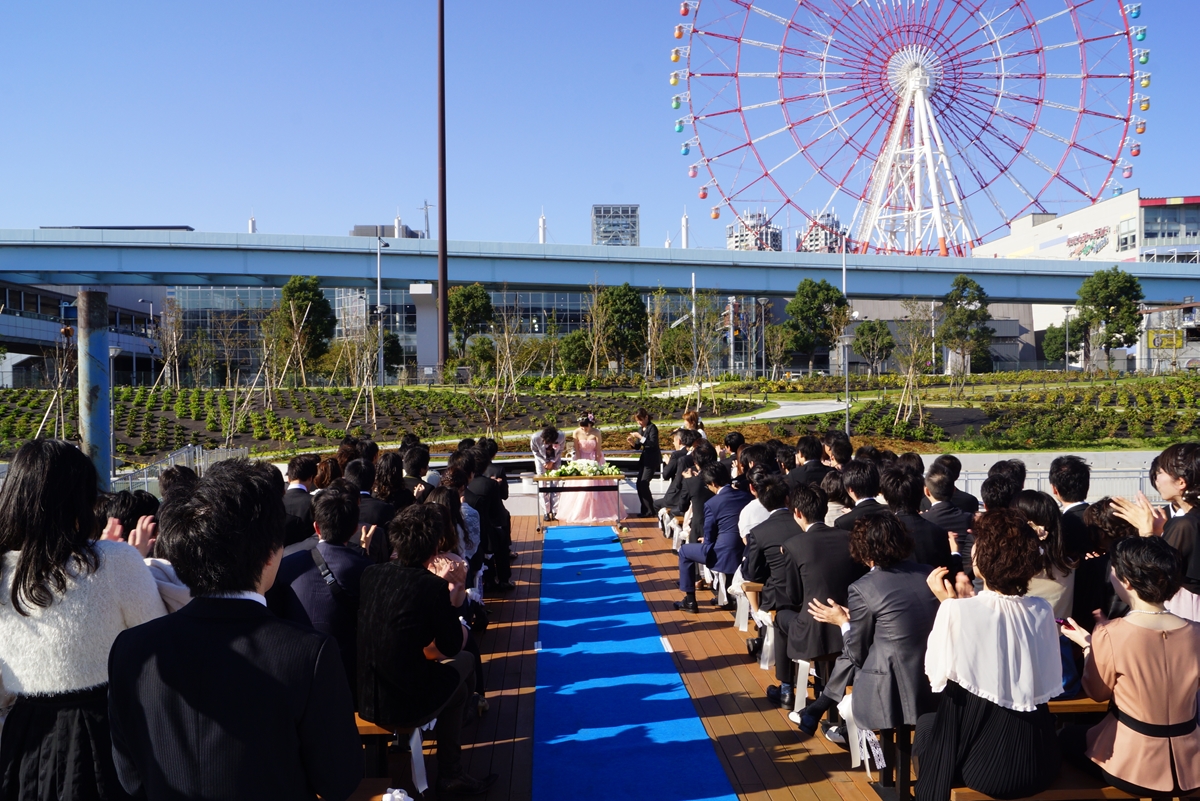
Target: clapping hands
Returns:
[143, 536]
[833, 613]
[944, 589]
[1141, 514]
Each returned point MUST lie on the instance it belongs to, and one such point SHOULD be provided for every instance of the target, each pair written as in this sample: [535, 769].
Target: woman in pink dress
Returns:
[589, 507]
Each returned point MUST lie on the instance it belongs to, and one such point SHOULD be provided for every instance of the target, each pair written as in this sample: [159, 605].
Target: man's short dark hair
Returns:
[902, 489]
[335, 510]
[687, 437]
[841, 451]
[869, 453]
[940, 481]
[809, 448]
[482, 458]
[809, 502]
[466, 444]
[716, 474]
[488, 445]
[303, 467]
[951, 464]
[126, 506]
[997, 492]
[549, 435]
[465, 461]
[785, 457]
[772, 492]
[703, 454]
[1072, 477]
[416, 461]
[176, 477]
[408, 440]
[414, 534]
[221, 534]
[361, 474]
[861, 477]
[912, 462]
[368, 450]
[1012, 469]
[734, 440]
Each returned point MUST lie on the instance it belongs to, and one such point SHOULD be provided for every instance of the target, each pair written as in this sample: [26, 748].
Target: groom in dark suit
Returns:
[646, 441]
[223, 700]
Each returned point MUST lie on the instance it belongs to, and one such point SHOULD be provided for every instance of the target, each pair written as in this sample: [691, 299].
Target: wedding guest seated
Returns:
[838, 502]
[838, 449]
[372, 511]
[695, 491]
[318, 588]
[821, 558]
[391, 486]
[911, 462]
[960, 499]
[174, 477]
[1093, 590]
[903, 491]
[1070, 479]
[368, 449]
[943, 513]
[64, 599]
[1012, 469]
[809, 467]
[328, 471]
[722, 548]
[411, 664]
[997, 492]
[994, 658]
[1145, 665]
[885, 623]
[297, 502]
[860, 478]
[672, 471]
[222, 699]
[765, 561]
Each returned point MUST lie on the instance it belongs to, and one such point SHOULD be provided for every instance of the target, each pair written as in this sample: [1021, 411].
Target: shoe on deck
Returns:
[687, 606]
[780, 697]
[807, 723]
[464, 784]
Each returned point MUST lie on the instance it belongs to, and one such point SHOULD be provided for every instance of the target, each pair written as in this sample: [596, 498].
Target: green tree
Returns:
[811, 311]
[393, 352]
[301, 294]
[575, 351]
[873, 341]
[1108, 308]
[625, 321]
[677, 348]
[1054, 343]
[470, 308]
[964, 330]
[481, 355]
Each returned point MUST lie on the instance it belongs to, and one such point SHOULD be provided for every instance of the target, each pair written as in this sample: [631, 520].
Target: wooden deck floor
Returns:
[758, 746]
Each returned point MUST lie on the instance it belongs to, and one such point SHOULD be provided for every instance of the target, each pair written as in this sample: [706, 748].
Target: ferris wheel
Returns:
[926, 124]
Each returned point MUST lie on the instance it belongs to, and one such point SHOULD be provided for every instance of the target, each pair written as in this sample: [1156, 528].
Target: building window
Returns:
[1127, 234]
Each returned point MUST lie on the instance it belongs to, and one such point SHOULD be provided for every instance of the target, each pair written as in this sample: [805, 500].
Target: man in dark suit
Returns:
[412, 664]
[371, 510]
[733, 443]
[646, 441]
[1070, 480]
[765, 560]
[821, 556]
[416, 465]
[498, 473]
[939, 488]
[861, 481]
[296, 500]
[809, 467]
[903, 491]
[960, 499]
[722, 548]
[319, 588]
[485, 496]
[673, 472]
[222, 699]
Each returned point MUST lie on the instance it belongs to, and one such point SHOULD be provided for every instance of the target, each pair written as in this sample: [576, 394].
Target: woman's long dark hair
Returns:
[444, 496]
[47, 512]
[389, 481]
[1042, 512]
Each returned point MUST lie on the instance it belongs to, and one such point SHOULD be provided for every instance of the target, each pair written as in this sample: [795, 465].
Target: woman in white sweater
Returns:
[64, 598]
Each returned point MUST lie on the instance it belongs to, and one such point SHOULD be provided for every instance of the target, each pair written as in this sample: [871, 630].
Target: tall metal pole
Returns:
[95, 383]
[842, 338]
[443, 300]
[695, 350]
[379, 308]
[1067, 343]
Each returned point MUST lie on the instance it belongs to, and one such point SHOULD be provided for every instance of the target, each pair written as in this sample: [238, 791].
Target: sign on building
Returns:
[1165, 339]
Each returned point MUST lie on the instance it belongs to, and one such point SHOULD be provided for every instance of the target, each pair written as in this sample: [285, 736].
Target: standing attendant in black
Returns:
[645, 439]
[223, 700]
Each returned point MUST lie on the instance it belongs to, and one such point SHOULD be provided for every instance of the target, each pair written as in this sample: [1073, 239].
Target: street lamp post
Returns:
[443, 280]
[379, 245]
[1066, 338]
[151, 304]
[113, 353]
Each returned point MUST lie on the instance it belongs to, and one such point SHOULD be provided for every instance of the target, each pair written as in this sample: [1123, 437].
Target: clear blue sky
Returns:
[318, 116]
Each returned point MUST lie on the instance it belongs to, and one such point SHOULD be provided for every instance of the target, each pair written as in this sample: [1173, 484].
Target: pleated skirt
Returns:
[972, 742]
[58, 748]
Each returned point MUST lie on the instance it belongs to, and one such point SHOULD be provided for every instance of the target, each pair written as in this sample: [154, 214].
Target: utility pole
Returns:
[443, 280]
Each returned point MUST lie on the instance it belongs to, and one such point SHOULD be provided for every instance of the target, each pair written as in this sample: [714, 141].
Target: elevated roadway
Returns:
[121, 257]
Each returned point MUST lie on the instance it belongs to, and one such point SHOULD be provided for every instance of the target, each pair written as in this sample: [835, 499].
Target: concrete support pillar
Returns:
[95, 388]
[425, 299]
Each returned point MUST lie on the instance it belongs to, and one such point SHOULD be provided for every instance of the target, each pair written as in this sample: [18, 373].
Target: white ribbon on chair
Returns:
[418, 758]
[863, 744]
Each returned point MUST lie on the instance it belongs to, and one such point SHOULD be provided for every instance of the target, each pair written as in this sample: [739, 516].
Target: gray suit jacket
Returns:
[891, 615]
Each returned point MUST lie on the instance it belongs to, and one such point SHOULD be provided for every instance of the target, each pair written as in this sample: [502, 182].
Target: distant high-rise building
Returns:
[823, 235]
[753, 232]
[615, 225]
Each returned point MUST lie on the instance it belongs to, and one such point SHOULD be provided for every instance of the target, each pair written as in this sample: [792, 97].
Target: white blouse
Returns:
[1002, 648]
[64, 647]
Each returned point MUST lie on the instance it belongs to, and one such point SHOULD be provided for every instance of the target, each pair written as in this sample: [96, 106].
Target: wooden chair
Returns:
[1071, 784]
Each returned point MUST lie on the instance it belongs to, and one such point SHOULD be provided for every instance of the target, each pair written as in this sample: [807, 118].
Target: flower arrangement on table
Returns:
[585, 467]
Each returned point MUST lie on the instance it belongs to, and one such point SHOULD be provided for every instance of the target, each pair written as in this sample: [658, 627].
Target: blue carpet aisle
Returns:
[613, 719]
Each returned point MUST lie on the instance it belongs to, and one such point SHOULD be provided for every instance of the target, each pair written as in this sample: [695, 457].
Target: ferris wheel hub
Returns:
[914, 67]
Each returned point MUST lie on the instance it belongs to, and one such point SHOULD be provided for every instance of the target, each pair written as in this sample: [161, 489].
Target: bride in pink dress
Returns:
[589, 507]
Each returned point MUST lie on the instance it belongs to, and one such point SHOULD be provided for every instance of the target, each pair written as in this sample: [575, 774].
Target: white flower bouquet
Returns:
[585, 467]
